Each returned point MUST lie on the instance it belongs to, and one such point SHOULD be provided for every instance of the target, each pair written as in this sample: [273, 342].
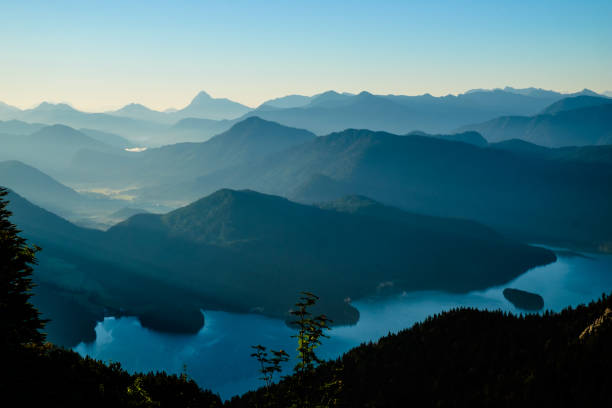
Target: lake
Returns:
[218, 356]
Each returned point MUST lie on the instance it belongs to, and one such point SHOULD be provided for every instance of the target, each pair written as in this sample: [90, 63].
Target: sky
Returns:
[101, 55]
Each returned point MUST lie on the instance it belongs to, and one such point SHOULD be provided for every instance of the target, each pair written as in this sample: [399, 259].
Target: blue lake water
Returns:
[218, 356]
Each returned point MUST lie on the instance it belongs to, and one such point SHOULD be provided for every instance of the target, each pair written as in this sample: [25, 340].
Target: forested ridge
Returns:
[468, 357]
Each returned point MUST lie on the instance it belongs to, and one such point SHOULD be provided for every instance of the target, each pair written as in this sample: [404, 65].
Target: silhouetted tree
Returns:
[20, 322]
[310, 332]
[269, 366]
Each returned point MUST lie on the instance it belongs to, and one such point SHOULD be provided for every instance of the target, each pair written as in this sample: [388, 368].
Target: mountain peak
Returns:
[220, 206]
[58, 130]
[205, 106]
[587, 91]
[64, 134]
[134, 107]
[328, 93]
[202, 96]
[329, 98]
[259, 125]
[48, 106]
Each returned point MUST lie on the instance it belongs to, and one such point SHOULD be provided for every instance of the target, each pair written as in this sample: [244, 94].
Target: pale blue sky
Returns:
[103, 54]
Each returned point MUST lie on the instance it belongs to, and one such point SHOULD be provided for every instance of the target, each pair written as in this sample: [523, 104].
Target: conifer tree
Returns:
[20, 321]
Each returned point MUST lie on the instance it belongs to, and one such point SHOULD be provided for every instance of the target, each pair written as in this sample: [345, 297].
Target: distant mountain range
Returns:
[51, 114]
[456, 175]
[322, 113]
[245, 142]
[332, 111]
[203, 106]
[577, 121]
[18, 127]
[289, 101]
[135, 122]
[429, 174]
[569, 188]
[52, 148]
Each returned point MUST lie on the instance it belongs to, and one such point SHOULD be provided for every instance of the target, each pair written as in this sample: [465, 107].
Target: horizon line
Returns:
[116, 107]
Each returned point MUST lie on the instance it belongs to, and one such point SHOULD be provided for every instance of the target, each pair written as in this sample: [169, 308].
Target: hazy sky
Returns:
[99, 55]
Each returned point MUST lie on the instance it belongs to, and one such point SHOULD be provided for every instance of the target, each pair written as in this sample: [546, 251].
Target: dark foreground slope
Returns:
[48, 376]
[472, 358]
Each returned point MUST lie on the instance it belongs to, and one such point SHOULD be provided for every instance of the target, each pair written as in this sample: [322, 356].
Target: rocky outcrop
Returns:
[603, 322]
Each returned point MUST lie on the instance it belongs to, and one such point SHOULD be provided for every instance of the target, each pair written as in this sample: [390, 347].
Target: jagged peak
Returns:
[201, 96]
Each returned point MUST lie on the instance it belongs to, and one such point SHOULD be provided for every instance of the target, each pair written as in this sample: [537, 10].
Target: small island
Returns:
[524, 300]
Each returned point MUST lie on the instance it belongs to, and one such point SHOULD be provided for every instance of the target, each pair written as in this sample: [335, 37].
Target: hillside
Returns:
[252, 251]
[47, 192]
[247, 141]
[57, 134]
[367, 207]
[596, 155]
[576, 102]
[107, 138]
[192, 130]
[78, 283]
[577, 122]
[470, 137]
[50, 114]
[245, 251]
[38, 187]
[244, 142]
[17, 127]
[39, 373]
[570, 195]
[467, 357]
[51, 148]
